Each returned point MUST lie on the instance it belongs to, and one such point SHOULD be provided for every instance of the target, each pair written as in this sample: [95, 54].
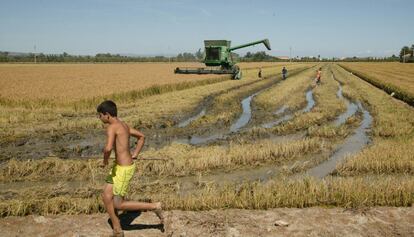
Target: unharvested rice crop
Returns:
[70, 82]
[396, 78]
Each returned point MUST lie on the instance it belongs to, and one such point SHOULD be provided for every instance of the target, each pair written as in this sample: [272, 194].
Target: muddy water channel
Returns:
[241, 122]
[352, 108]
[310, 104]
[352, 144]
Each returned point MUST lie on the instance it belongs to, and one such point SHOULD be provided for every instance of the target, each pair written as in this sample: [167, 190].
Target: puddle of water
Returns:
[310, 100]
[281, 110]
[196, 140]
[235, 127]
[246, 115]
[352, 145]
[310, 104]
[339, 93]
[278, 121]
[191, 119]
[352, 108]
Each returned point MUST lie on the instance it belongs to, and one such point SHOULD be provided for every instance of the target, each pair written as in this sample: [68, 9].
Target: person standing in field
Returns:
[318, 76]
[260, 73]
[284, 73]
[118, 134]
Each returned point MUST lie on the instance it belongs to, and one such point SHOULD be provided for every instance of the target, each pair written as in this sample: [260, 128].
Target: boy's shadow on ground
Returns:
[126, 218]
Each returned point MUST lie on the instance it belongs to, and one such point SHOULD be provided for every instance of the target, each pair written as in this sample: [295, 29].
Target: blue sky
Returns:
[326, 27]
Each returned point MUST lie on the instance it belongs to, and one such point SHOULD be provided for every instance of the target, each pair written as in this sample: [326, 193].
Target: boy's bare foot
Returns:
[158, 211]
[117, 234]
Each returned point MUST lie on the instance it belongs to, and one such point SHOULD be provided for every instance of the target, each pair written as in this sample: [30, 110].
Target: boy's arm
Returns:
[110, 139]
[140, 142]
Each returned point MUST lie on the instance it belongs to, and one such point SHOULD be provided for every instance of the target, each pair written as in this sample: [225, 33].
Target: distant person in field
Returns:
[118, 134]
[284, 73]
[318, 76]
[260, 73]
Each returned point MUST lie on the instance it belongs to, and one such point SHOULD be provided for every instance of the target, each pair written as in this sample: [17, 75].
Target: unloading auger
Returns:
[218, 58]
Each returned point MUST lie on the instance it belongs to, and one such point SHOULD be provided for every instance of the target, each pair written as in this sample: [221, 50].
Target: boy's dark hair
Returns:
[108, 106]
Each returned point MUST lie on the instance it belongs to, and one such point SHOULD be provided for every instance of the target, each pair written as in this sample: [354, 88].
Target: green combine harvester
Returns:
[218, 58]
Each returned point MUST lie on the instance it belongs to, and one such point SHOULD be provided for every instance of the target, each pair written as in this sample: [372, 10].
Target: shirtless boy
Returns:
[318, 76]
[118, 134]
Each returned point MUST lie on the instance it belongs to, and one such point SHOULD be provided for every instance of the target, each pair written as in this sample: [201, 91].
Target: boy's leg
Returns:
[109, 205]
[120, 203]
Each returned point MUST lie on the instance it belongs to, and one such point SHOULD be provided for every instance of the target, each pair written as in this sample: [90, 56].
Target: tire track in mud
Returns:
[310, 104]
[187, 184]
[241, 122]
[204, 106]
[352, 144]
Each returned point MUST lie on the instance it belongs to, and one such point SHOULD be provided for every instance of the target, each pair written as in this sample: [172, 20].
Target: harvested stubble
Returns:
[330, 131]
[186, 160]
[386, 156]
[181, 160]
[343, 192]
[50, 168]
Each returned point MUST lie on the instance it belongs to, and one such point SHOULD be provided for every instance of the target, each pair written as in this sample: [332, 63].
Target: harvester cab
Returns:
[218, 58]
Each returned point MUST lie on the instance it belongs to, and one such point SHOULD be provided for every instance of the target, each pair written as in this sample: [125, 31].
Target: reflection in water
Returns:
[246, 115]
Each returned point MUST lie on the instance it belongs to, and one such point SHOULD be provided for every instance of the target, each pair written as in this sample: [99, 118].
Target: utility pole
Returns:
[35, 54]
[403, 56]
[290, 53]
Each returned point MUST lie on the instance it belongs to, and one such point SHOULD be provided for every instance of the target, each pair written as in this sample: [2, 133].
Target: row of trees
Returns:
[188, 57]
[98, 58]
[107, 57]
[406, 54]
[393, 58]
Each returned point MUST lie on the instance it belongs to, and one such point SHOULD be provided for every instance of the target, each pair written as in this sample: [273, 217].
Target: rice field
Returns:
[73, 82]
[394, 78]
[249, 144]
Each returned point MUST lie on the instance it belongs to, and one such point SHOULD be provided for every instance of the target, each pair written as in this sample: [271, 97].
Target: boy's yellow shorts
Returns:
[120, 176]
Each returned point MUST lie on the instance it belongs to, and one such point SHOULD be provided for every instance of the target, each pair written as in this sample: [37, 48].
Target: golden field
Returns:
[392, 77]
[196, 177]
[71, 82]
[157, 104]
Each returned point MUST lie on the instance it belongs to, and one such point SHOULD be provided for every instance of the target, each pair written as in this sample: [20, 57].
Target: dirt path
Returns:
[379, 221]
